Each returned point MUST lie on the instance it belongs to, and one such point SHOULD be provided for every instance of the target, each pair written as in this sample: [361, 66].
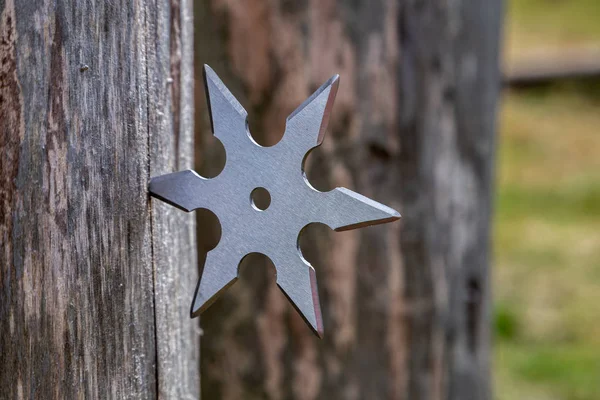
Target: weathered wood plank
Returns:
[448, 97]
[405, 305]
[174, 245]
[85, 259]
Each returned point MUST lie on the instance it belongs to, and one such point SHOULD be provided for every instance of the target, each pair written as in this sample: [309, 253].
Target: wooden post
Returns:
[406, 306]
[95, 279]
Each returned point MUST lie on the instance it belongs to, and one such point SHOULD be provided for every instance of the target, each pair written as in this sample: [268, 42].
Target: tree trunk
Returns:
[96, 281]
[406, 306]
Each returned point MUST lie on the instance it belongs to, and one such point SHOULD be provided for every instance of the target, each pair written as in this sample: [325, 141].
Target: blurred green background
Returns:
[547, 222]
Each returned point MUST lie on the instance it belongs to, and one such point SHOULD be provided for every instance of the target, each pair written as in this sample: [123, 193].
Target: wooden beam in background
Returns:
[541, 68]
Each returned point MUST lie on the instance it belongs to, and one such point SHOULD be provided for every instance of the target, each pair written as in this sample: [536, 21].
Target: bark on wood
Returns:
[96, 280]
[406, 306]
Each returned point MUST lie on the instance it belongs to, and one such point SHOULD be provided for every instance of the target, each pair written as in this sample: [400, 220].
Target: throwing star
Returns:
[295, 204]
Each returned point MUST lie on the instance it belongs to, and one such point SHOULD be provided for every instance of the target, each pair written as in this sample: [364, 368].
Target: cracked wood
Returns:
[95, 279]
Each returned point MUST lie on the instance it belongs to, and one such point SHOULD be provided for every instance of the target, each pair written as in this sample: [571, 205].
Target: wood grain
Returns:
[86, 261]
[405, 305]
[173, 231]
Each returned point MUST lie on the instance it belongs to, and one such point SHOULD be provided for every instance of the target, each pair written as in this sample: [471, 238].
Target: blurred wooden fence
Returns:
[543, 67]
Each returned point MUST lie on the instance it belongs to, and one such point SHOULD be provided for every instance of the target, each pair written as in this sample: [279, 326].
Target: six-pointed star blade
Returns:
[294, 204]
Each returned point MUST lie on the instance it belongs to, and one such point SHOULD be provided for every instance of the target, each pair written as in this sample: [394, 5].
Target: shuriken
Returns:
[295, 204]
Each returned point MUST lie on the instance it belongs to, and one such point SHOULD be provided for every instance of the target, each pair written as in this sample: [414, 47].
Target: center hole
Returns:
[260, 199]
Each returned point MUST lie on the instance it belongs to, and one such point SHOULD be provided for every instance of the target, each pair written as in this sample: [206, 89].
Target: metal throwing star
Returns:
[295, 204]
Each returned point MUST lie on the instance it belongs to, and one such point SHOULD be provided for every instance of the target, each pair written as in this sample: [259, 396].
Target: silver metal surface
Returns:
[295, 204]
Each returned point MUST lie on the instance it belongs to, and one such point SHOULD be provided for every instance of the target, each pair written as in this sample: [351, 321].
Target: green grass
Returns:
[552, 24]
[569, 372]
[579, 202]
[547, 220]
